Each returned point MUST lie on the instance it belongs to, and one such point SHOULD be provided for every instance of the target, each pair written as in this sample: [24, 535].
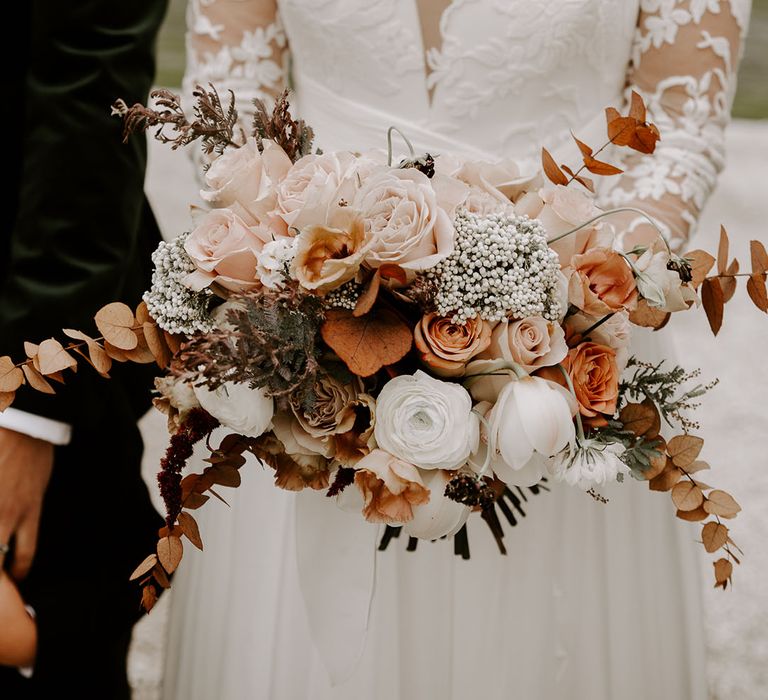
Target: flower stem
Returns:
[599, 323]
[491, 444]
[579, 425]
[389, 144]
[602, 215]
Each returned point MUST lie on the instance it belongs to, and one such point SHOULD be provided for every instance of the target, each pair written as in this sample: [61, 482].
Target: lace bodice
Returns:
[499, 77]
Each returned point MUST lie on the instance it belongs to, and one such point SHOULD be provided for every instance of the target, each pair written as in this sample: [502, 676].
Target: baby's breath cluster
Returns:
[344, 297]
[501, 266]
[175, 307]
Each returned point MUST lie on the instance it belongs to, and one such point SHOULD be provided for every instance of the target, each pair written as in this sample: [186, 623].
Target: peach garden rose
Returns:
[446, 347]
[595, 376]
[601, 282]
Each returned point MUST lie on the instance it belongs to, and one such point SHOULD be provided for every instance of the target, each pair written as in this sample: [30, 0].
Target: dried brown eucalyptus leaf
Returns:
[11, 377]
[169, 552]
[723, 572]
[722, 504]
[687, 496]
[52, 357]
[714, 535]
[684, 449]
[115, 322]
[551, 169]
[712, 300]
[36, 380]
[144, 568]
[189, 527]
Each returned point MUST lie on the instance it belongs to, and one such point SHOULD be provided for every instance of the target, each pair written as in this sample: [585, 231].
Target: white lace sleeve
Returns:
[237, 45]
[684, 62]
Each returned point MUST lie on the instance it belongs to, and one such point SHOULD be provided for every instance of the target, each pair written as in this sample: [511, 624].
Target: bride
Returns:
[592, 601]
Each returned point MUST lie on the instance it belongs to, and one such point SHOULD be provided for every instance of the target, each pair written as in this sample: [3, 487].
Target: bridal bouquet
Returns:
[420, 339]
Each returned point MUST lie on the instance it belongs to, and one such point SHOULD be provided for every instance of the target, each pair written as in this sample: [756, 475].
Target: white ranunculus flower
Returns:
[238, 407]
[531, 421]
[426, 422]
[439, 517]
[589, 465]
[274, 262]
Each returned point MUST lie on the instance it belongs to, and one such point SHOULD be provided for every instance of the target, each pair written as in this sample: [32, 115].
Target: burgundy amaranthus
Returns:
[197, 425]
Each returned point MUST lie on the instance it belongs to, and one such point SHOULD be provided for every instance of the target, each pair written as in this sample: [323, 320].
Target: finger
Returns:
[6, 532]
[25, 545]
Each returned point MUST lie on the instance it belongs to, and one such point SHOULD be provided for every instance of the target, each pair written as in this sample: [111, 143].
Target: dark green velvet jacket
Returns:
[78, 231]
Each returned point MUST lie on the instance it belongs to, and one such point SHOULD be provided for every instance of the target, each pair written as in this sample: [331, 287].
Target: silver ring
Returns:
[4, 549]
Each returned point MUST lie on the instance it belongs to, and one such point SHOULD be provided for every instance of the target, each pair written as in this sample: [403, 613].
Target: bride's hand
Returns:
[25, 469]
[18, 634]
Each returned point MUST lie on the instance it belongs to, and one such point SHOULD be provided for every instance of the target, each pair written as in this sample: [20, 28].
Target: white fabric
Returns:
[53, 431]
[592, 601]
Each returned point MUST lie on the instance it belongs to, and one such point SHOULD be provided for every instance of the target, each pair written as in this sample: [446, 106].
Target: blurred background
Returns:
[734, 416]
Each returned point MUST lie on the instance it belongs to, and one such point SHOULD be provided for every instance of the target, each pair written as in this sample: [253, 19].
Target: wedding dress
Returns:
[592, 601]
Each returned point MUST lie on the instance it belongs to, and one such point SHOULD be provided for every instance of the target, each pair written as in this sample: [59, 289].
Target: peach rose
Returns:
[390, 488]
[407, 220]
[595, 378]
[532, 342]
[328, 256]
[244, 180]
[446, 347]
[563, 208]
[224, 250]
[616, 333]
[601, 282]
[314, 187]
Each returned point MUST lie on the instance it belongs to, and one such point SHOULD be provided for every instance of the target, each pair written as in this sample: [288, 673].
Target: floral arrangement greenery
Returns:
[420, 340]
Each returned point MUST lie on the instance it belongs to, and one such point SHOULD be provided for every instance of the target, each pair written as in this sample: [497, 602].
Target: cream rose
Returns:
[503, 181]
[425, 421]
[328, 256]
[224, 250]
[408, 226]
[390, 488]
[247, 411]
[315, 186]
[244, 180]
[531, 342]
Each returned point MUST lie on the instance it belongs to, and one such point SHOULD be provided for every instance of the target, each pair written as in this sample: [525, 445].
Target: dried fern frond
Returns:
[293, 136]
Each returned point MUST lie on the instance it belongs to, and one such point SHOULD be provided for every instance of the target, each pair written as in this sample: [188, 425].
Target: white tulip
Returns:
[589, 465]
[238, 407]
[441, 516]
[531, 421]
[426, 422]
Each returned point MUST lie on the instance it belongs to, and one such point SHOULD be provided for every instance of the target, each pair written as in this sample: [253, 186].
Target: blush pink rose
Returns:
[224, 250]
[531, 342]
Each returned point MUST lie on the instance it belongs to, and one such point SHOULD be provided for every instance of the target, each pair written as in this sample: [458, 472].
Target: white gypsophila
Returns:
[236, 406]
[589, 464]
[274, 260]
[173, 305]
[501, 266]
[426, 422]
[345, 296]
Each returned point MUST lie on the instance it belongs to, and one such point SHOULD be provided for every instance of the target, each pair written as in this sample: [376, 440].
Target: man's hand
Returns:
[25, 469]
[18, 634]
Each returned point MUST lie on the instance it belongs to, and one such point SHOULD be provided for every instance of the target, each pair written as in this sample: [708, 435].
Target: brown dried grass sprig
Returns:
[292, 135]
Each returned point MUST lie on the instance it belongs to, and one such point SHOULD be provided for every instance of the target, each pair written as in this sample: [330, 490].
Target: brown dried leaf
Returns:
[11, 377]
[31, 349]
[649, 317]
[169, 552]
[148, 597]
[6, 399]
[693, 515]
[115, 322]
[52, 357]
[637, 107]
[759, 257]
[696, 466]
[224, 475]
[684, 449]
[714, 535]
[712, 299]
[551, 169]
[195, 500]
[156, 344]
[757, 292]
[101, 362]
[723, 573]
[115, 353]
[599, 167]
[658, 464]
[728, 284]
[722, 251]
[142, 314]
[173, 341]
[161, 577]
[701, 263]
[666, 480]
[722, 504]
[36, 380]
[621, 130]
[585, 150]
[585, 181]
[641, 418]
[189, 527]
[144, 568]
[687, 496]
[368, 343]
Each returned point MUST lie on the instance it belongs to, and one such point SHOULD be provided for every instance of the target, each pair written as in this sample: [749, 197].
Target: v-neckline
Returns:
[430, 13]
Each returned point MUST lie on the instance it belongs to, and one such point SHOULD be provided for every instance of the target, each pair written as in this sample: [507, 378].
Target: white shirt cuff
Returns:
[52, 431]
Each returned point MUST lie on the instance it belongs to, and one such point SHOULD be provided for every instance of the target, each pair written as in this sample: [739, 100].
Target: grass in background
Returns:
[751, 98]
